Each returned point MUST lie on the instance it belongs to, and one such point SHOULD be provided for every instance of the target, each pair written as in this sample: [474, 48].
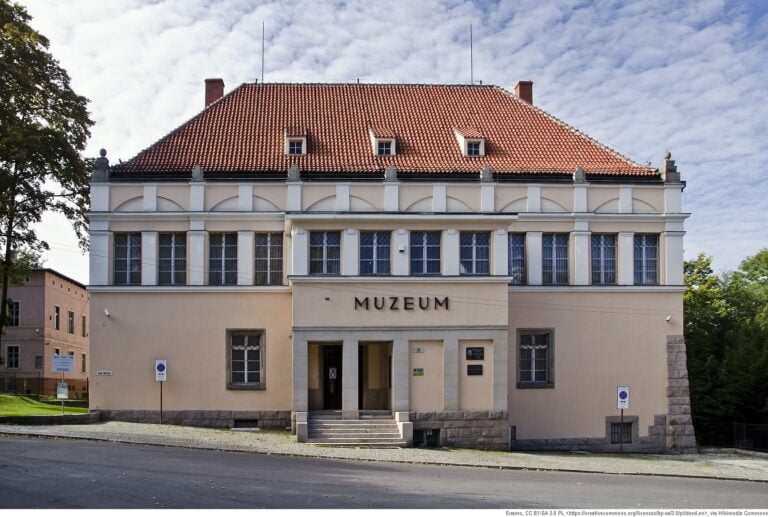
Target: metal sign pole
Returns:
[62, 400]
[621, 432]
[161, 403]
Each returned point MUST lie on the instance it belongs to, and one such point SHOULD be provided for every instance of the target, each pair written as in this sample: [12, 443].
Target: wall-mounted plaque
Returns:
[418, 372]
[474, 369]
[475, 353]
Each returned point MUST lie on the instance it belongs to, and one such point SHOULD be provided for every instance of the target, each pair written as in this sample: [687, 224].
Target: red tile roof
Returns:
[244, 132]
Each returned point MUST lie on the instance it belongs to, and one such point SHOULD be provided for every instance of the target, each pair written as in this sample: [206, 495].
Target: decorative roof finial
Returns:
[579, 175]
[668, 169]
[293, 173]
[100, 170]
[197, 173]
[390, 173]
[486, 174]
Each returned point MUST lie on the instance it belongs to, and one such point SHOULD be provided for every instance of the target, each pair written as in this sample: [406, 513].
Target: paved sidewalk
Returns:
[719, 465]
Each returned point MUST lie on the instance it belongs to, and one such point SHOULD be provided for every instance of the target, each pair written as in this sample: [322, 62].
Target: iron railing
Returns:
[752, 437]
[22, 382]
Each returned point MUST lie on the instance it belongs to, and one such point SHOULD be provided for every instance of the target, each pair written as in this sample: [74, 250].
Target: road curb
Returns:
[32, 434]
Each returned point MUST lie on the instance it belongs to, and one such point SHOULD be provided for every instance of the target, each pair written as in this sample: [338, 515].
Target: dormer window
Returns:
[383, 141]
[295, 141]
[471, 141]
[473, 148]
[295, 147]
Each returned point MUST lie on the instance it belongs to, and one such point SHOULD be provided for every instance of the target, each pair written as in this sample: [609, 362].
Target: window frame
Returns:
[385, 144]
[270, 260]
[425, 247]
[71, 322]
[615, 430]
[523, 272]
[131, 275]
[601, 260]
[324, 246]
[56, 317]
[8, 356]
[554, 259]
[376, 251]
[474, 261]
[84, 326]
[83, 363]
[223, 259]
[550, 382]
[474, 143]
[14, 313]
[261, 385]
[174, 248]
[643, 259]
[292, 142]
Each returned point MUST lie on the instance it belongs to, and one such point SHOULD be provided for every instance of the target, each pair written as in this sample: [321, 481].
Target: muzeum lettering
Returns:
[406, 303]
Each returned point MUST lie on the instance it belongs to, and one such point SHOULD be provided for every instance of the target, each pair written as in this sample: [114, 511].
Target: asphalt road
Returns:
[40, 473]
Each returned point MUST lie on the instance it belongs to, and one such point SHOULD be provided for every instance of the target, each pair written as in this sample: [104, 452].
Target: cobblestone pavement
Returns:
[722, 464]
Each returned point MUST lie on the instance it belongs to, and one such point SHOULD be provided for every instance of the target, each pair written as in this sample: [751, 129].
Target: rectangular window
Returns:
[56, 317]
[517, 258]
[127, 259]
[534, 359]
[38, 362]
[554, 258]
[374, 253]
[84, 327]
[222, 260]
[295, 147]
[172, 255]
[384, 147]
[13, 313]
[473, 148]
[624, 431]
[603, 259]
[646, 259]
[246, 360]
[12, 356]
[56, 351]
[70, 322]
[324, 253]
[474, 253]
[425, 253]
[268, 268]
[82, 363]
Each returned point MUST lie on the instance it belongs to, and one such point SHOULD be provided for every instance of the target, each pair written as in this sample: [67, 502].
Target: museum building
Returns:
[391, 264]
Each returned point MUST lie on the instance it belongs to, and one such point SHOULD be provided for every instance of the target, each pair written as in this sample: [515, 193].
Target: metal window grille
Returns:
[268, 269]
[517, 258]
[646, 259]
[324, 253]
[474, 253]
[127, 259]
[555, 258]
[246, 360]
[13, 314]
[473, 148]
[384, 147]
[374, 253]
[625, 430]
[172, 264]
[12, 356]
[603, 259]
[534, 358]
[223, 259]
[57, 317]
[70, 322]
[425, 253]
[295, 147]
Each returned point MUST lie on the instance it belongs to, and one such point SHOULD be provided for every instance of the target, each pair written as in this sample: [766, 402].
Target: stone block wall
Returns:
[204, 418]
[467, 429]
[680, 435]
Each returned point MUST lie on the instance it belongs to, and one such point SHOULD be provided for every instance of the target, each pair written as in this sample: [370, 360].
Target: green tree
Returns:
[44, 126]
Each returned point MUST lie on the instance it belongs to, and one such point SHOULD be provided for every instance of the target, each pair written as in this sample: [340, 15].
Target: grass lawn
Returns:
[14, 405]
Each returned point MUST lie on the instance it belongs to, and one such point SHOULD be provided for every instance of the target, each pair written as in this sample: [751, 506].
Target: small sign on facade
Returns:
[475, 353]
[474, 369]
[62, 391]
[63, 363]
[418, 372]
[622, 397]
[161, 370]
[104, 373]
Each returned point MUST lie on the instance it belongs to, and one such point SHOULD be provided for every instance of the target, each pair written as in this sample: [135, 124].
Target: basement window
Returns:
[621, 433]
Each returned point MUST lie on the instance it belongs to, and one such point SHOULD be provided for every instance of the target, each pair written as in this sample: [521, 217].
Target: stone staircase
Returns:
[374, 430]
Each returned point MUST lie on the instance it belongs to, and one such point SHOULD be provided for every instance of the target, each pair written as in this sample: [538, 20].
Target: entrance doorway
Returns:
[374, 383]
[331, 379]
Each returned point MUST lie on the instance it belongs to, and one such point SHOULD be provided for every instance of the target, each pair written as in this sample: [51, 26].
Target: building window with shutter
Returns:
[222, 263]
[603, 259]
[374, 253]
[324, 253]
[268, 267]
[127, 259]
[425, 253]
[172, 255]
[554, 258]
[517, 259]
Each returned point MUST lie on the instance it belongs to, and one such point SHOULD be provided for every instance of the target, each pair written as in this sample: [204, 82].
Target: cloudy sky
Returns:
[641, 76]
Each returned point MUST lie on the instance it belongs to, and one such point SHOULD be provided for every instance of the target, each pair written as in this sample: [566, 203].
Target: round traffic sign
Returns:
[623, 395]
[160, 367]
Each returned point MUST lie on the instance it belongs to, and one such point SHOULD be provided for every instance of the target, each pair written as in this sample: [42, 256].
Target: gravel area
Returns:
[713, 464]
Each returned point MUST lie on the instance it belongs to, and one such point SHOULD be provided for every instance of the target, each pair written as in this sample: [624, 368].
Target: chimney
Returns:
[524, 90]
[214, 90]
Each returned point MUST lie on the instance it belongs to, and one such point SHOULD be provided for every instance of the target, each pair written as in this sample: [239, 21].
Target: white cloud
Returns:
[640, 77]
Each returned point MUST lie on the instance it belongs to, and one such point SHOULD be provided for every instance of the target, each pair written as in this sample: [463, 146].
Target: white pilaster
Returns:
[500, 253]
[581, 257]
[349, 379]
[673, 257]
[350, 251]
[98, 258]
[245, 258]
[99, 197]
[439, 199]
[300, 358]
[293, 197]
[626, 252]
[451, 374]
[300, 241]
[500, 371]
[625, 200]
[149, 258]
[533, 257]
[450, 252]
[400, 375]
[391, 197]
[245, 198]
[196, 197]
[673, 199]
[197, 241]
[534, 198]
[400, 251]
[579, 198]
[487, 197]
[150, 198]
[342, 198]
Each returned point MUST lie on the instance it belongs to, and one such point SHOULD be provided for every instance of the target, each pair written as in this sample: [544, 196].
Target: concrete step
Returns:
[398, 445]
[353, 430]
[365, 439]
[350, 425]
[355, 436]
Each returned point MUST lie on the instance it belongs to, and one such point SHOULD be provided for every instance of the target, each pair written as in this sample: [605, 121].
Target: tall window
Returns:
[425, 253]
[474, 253]
[646, 259]
[268, 268]
[83, 365]
[374, 253]
[172, 254]
[13, 313]
[246, 360]
[56, 317]
[324, 253]
[555, 258]
[222, 263]
[517, 258]
[127, 262]
[603, 259]
[12, 356]
[70, 322]
[535, 359]
[84, 327]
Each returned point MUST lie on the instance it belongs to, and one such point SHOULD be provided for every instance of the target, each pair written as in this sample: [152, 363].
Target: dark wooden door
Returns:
[332, 377]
